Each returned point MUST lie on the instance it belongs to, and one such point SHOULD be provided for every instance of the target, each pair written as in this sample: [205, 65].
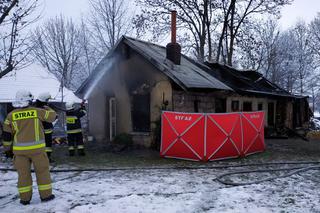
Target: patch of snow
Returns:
[170, 190]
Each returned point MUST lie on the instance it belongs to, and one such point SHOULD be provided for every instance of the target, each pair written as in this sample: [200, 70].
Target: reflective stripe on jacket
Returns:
[25, 125]
[73, 120]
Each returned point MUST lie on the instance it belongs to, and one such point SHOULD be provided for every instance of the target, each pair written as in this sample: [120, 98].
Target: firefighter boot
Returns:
[51, 197]
[81, 152]
[25, 202]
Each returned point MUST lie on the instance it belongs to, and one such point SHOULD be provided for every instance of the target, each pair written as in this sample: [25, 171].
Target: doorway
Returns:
[220, 105]
[271, 112]
[112, 118]
[140, 112]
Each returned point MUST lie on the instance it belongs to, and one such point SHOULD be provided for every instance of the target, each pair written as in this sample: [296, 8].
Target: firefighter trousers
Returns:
[22, 164]
[75, 141]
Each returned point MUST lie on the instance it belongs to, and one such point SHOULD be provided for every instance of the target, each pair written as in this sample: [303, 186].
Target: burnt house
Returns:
[136, 80]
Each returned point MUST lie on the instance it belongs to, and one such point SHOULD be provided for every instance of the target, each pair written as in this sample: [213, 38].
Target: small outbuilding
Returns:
[136, 80]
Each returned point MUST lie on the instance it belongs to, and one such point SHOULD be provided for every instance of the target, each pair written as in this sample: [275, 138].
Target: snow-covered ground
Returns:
[165, 190]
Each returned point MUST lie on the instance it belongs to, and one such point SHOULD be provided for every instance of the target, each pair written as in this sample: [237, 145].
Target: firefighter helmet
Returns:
[70, 105]
[23, 99]
[44, 97]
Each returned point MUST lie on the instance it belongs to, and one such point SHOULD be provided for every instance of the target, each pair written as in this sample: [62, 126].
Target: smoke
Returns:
[101, 71]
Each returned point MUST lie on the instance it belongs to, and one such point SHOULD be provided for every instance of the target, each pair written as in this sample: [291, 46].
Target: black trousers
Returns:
[48, 139]
[75, 141]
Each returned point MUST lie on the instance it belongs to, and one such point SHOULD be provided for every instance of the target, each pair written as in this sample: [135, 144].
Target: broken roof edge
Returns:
[274, 94]
[260, 74]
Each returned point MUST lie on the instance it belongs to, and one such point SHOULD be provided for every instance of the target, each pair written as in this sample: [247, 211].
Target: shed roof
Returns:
[188, 75]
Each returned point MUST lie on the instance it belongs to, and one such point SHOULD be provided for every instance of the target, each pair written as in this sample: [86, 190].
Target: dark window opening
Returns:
[271, 114]
[260, 106]
[235, 106]
[220, 105]
[140, 112]
[247, 106]
[196, 105]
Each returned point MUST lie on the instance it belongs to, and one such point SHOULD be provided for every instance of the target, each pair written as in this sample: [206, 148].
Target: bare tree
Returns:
[236, 13]
[252, 48]
[314, 41]
[89, 56]
[109, 20]
[57, 47]
[302, 54]
[195, 18]
[203, 18]
[314, 44]
[15, 17]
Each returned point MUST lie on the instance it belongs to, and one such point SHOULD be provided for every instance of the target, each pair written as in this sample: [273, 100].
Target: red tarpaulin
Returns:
[223, 138]
[253, 134]
[214, 136]
[183, 135]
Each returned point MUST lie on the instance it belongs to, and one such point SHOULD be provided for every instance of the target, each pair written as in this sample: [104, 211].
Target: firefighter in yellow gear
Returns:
[24, 135]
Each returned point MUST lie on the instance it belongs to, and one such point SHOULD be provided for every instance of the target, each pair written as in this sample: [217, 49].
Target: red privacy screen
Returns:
[214, 136]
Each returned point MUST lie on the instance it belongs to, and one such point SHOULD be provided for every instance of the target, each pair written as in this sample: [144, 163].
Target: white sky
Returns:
[300, 9]
[69, 8]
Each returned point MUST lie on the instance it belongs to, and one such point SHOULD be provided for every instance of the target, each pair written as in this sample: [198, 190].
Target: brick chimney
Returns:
[173, 48]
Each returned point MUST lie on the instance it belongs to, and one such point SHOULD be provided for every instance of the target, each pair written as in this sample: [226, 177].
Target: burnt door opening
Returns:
[112, 118]
[247, 106]
[271, 114]
[140, 113]
[221, 105]
[196, 105]
[297, 121]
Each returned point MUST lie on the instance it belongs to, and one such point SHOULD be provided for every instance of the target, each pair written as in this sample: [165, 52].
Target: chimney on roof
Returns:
[173, 48]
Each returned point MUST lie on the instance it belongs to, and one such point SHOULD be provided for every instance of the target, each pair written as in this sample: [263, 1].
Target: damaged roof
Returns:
[188, 75]
[244, 82]
[191, 74]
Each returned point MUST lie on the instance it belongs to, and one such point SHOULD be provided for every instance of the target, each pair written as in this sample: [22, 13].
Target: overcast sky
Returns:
[300, 9]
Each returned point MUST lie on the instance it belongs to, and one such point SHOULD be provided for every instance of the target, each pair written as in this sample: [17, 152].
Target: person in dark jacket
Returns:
[74, 130]
[42, 102]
